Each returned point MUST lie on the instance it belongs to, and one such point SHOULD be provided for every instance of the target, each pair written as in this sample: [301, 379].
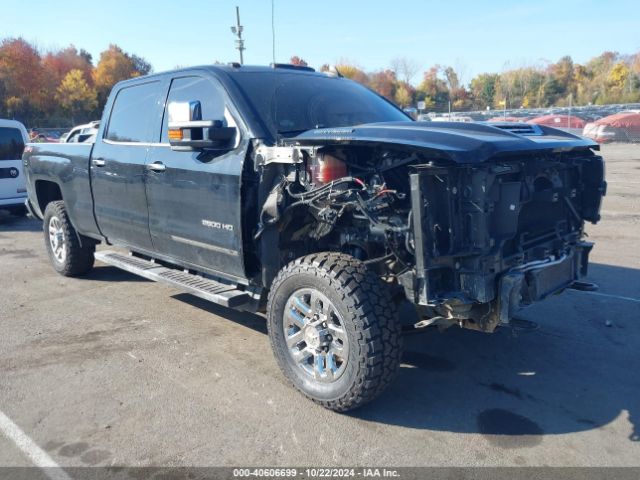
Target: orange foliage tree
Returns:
[60, 87]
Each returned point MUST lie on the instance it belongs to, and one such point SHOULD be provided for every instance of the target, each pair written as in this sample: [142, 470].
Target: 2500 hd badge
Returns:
[218, 225]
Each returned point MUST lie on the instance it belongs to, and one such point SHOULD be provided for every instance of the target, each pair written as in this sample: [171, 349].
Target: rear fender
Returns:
[66, 166]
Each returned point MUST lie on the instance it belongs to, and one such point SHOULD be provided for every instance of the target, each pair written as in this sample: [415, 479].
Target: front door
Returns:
[118, 165]
[194, 197]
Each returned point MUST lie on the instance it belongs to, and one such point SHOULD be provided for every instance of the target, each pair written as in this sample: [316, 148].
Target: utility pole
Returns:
[237, 30]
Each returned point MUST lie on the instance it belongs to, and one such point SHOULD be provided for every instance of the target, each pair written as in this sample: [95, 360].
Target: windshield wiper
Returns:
[293, 132]
[296, 132]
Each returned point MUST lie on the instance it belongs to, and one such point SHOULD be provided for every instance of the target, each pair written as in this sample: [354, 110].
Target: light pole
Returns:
[237, 30]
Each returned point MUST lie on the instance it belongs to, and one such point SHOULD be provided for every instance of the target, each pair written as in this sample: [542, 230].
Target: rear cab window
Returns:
[11, 144]
[134, 113]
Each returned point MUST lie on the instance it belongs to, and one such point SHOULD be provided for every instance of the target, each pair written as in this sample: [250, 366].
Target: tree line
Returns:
[60, 88]
[609, 78]
[63, 88]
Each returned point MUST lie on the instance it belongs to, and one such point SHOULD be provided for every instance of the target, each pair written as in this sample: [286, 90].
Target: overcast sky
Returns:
[472, 36]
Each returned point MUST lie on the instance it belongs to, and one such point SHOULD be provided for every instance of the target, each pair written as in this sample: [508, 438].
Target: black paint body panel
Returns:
[457, 142]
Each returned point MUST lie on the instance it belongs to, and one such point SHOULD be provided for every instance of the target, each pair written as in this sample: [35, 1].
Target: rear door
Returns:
[118, 164]
[194, 197]
[12, 180]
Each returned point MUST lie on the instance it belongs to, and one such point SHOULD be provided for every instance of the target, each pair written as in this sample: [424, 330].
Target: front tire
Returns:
[334, 330]
[70, 254]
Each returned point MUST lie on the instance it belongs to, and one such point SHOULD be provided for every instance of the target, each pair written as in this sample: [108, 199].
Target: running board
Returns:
[220, 293]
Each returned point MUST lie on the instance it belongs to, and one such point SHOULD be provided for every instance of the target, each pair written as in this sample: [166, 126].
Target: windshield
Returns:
[290, 103]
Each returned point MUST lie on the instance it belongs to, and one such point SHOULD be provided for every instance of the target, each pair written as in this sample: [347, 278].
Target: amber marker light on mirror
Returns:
[175, 134]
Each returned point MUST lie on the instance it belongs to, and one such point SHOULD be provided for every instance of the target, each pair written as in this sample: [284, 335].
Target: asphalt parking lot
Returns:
[114, 370]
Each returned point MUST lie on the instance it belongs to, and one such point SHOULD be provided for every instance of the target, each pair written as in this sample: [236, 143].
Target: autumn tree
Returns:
[58, 64]
[384, 83]
[352, 72]
[618, 76]
[295, 60]
[451, 78]
[520, 87]
[22, 79]
[483, 90]
[141, 66]
[76, 96]
[598, 68]
[458, 94]
[114, 66]
[404, 95]
[404, 68]
[433, 90]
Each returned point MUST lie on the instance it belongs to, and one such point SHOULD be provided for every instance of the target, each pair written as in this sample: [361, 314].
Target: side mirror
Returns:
[187, 131]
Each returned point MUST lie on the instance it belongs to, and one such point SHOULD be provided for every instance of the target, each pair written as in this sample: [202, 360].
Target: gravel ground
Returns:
[115, 370]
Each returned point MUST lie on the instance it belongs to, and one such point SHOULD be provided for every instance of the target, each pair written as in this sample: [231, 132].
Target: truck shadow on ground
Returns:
[502, 388]
[13, 223]
[577, 372]
[253, 321]
[107, 273]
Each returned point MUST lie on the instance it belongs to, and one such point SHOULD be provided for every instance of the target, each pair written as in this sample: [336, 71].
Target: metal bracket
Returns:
[266, 155]
[510, 294]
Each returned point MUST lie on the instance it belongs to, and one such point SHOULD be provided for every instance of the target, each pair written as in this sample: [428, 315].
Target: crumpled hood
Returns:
[459, 142]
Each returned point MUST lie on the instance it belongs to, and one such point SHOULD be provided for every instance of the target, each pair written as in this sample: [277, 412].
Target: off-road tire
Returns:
[80, 250]
[370, 320]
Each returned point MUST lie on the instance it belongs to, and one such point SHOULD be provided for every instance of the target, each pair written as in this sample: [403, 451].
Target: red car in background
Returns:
[559, 121]
[620, 127]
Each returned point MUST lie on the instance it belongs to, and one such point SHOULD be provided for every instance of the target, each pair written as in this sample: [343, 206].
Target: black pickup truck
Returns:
[311, 198]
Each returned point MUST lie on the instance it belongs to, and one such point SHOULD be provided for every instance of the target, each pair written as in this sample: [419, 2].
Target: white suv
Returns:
[13, 190]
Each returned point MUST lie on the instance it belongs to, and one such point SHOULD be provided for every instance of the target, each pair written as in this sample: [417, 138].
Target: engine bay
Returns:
[445, 235]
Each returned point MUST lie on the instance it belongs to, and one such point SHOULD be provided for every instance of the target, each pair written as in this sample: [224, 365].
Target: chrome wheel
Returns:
[57, 239]
[315, 335]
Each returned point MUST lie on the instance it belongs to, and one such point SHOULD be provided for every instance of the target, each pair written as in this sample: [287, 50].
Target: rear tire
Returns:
[70, 253]
[334, 330]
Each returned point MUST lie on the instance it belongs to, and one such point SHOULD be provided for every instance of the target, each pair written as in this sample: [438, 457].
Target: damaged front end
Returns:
[494, 237]
[469, 226]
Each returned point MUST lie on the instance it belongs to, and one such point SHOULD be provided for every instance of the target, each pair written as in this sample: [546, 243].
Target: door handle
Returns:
[98, 162]
[156, 167]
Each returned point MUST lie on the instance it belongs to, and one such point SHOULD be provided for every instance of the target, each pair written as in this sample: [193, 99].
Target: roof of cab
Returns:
[225, 74]
[5, 123]
[10, 123]
[229, 69]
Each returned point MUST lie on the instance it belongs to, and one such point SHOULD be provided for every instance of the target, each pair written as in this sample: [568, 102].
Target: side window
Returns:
[11, 144]
[204, 90]
[73, 136]
[133, 112]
